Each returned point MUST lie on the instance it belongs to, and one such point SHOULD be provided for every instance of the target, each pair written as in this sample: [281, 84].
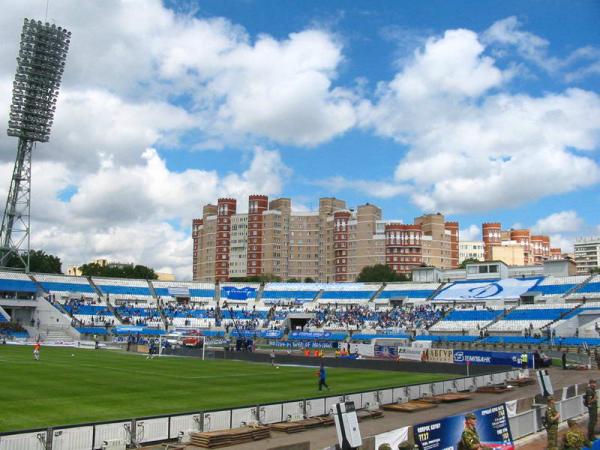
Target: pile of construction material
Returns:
[225, 438]
[301, 425]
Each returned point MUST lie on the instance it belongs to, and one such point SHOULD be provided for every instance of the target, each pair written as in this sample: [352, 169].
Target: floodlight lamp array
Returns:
[40, 66]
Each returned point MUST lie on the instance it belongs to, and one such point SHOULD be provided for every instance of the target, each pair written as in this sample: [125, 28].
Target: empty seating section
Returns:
[479, 315]
[171, 290]
[466, 319]
[588, 307]
[530, 317]
[558, 285]
[590, 290]
[289, 292]
[512, 340]
[369, 336]
[65, 286]
[436, 338]
[17, 282]
[546, 313]
[100, 331]
[410, 290]
[574, 341]
[125, 289]
[347, 292]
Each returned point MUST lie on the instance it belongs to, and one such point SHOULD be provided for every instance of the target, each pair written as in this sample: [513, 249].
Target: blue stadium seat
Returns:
[478, 315]
[18, 286]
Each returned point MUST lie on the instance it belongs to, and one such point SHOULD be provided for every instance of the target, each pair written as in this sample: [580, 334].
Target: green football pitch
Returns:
[69, 386]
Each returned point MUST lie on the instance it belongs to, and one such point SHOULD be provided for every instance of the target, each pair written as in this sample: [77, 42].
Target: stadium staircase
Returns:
[152, 291]
[549, 325]
[436, 292]
[36, 282]
[379, 291]
[62, 309]
[4, 314]
[217, 296]
[318, 296]
[113, 310]
[259, 294]
[579, 286]
[53, 327]
[165, 321]
[96, 288]
[499, 318]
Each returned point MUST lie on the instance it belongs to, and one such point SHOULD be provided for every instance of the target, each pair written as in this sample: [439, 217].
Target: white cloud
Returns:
[508, 33]
[141, 213]
[379, 189]
[236, 85]
[560, 222]
[565, 243]
[140, 76]
[472, 146]
[471, 233]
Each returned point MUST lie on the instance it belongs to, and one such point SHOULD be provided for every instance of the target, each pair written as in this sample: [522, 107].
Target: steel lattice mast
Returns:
[40, 66]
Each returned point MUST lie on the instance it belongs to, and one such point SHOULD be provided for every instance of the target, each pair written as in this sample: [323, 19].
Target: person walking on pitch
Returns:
[322, 377]
[36, 351]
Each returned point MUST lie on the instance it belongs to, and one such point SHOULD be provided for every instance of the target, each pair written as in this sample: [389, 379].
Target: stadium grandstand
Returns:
[524, 309]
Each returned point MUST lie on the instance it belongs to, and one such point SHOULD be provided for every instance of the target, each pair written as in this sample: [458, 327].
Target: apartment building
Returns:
[536, 248]
[587, 254]
[331, 244]
[471, 250]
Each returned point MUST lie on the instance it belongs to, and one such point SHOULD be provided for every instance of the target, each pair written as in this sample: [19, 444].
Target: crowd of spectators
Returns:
[363, 317]
[139, 314]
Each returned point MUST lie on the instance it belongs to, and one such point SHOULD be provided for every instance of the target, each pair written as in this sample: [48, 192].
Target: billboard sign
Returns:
[492, 427]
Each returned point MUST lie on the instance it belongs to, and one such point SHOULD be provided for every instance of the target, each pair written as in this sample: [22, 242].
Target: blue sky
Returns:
[482, 110]
[375, 35]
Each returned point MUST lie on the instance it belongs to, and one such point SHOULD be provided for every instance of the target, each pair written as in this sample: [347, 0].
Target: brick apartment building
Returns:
[331, 244]
[535, 249]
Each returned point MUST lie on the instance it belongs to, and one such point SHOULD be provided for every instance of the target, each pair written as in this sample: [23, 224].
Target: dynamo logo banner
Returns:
[492, 427]
[488, 290]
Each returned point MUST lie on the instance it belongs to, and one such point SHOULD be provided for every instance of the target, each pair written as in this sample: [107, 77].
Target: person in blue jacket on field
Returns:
[322, 377]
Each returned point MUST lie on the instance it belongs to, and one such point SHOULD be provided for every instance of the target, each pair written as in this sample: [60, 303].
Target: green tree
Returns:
[293, 280]
[39, 262]
[463, 265]
[380, 273]
[118, 271]
[263, 278]
[594, 270]
[309, 280]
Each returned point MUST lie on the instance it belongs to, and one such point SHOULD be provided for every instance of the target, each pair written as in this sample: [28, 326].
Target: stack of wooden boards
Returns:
[427, 402]
[224, 438]
[525, 381]
[412, 406]
[301, 425]
[321, 421]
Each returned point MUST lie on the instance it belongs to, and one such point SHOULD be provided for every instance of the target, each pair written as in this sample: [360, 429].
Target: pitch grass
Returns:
[69, 386]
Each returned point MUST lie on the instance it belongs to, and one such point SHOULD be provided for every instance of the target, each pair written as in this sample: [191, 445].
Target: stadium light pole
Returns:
[40, 66]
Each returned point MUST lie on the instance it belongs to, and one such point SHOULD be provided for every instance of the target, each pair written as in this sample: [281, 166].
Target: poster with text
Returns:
[492, 427]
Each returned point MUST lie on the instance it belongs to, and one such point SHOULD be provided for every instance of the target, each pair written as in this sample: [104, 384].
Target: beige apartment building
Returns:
[332, 244]
[536, 248]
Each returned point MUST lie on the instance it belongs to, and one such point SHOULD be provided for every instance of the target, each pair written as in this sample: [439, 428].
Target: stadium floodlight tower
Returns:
[40, 66]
